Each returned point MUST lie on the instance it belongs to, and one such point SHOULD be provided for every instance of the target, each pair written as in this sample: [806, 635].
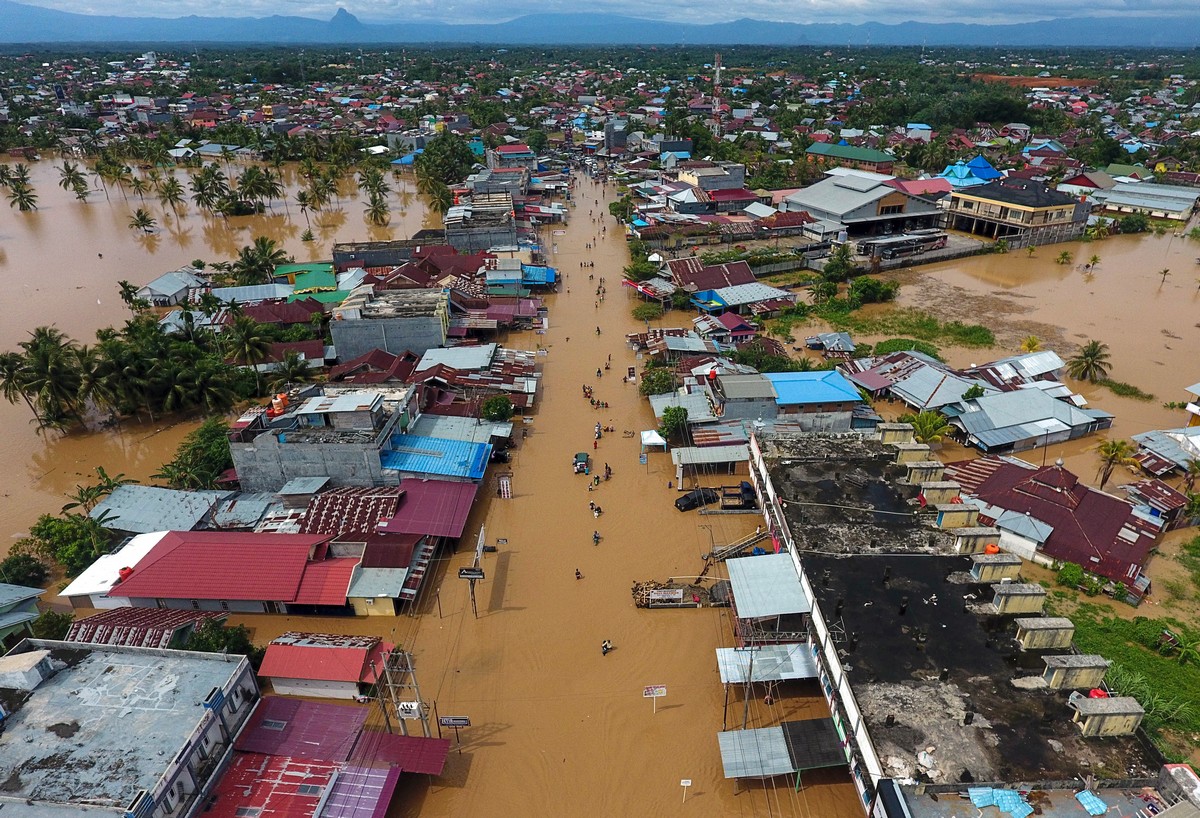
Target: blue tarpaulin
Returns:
[1009, 801]
[1091, 802]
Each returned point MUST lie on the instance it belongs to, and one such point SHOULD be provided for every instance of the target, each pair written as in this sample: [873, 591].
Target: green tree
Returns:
[648, 311]
[1064, 258]
[24, 569]
[928, 426]
[1070, 575]
[73, 540]
[447, 158]
[976, 391]
[1031, 343]
[497, 408]
[657, 381]
[674, 422]
[257, 261]
[141, 219]
[52, 625]
[22, 196]
[1091, 363]
[681, 299]
[214, 637]
[200, 459]
[1113, 453]
[292, 369]
[171, 194]
[840, 265]
[248, 343]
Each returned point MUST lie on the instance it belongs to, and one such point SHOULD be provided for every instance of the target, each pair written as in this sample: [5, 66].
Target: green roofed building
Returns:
[852, 157]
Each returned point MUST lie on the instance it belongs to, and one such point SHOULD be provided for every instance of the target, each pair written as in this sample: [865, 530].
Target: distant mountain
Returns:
[21, 23]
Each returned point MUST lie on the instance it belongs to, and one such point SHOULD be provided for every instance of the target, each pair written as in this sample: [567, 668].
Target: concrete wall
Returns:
[749, 409]
[233, 605]
[1108, 725]
[1060, 678]
[1043, 639]
[475, 239]
[819, 421]
[375, 606]
[313, 687]
[265, 464]
[358, 336]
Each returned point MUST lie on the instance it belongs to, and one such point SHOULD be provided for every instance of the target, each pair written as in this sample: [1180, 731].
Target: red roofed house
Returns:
[331, 666]
[228, 571]
[140, 627]
[1046, 515]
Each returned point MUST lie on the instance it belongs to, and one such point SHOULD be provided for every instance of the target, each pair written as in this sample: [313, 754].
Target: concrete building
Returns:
[715, 176]
[339, 435]
[863, 205]
[1156, 201]
[122, 731]
[396, 321]
[486, 221]
[516, 155]
[1022, 212]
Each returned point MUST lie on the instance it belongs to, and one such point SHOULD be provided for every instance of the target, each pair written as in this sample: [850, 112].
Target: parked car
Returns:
[696, 498]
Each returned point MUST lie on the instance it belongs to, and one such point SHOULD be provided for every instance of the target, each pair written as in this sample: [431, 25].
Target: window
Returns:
[224, 605]
[195, 605]
[891, 210]
[967, 204]
[273, 724]
[308, 789]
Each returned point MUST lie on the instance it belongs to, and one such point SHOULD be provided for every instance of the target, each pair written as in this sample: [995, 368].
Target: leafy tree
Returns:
[497, 408]
[447, 158]
[976, 391]
[928, 426]
[674, 422]
[681, 299]
[840, 265]
[74, 540]
[867, 290]
[200, 459]
[214, 637]
[1091, 363]
[52, 625]
[142, 220]
[247, 341]
[1070, 575]
[24, 569]
[1113, 453]
[657, 381]
[1133, 223]
[649, 311]
[256, 262]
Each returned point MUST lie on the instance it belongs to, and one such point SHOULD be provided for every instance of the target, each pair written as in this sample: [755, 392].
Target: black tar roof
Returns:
[1023, 192]
[1017, 735]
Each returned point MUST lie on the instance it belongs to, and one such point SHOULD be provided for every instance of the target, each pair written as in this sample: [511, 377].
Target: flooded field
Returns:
[60, 265]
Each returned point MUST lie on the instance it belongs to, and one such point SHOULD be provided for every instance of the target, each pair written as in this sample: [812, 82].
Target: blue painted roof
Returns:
[437, 456]
[811, 387]
[533, 274]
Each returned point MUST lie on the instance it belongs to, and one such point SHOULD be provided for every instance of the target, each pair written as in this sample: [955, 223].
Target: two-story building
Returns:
[1023, 212]
[863, 204]
[849, 156]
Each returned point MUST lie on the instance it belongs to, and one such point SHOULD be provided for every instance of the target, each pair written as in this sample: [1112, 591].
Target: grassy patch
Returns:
[1125, 390]
[1189, 556]
[898, 344]
[1146, 667]
[914, 323]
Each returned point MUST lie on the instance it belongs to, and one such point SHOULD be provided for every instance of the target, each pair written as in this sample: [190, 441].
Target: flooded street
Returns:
[60, 265]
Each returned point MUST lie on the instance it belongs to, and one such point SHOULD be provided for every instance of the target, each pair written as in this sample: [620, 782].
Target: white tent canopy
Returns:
[652, 438]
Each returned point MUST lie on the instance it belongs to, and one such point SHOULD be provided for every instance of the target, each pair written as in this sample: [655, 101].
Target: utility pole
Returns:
[398, 689]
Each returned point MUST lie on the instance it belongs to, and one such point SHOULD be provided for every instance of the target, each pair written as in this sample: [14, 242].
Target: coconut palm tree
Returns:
[171, 193]
[70, 176]
[21, 196]
[304, 202]
[1031, 343]
[13, 377]
[1113, 453]
[441, 200]
[141, 219]
[1064, 258]
[1093, 261]
[928, 426]
[50, 377]
[247, 344]
[1164, 272]
[1190, 474]
[140, 186]
[256, 262]
[81, 190]
[1091, 363]
[128, 293]
[377, 211]
[292, 369]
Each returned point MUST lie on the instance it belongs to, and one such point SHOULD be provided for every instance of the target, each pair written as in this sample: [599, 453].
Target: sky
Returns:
[692, 11]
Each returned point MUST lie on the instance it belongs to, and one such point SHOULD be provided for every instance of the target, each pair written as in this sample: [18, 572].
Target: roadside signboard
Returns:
[654, 693]
[454, 721]
[470, 573]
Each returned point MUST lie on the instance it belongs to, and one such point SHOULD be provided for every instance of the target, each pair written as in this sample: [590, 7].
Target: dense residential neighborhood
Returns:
[398, 438]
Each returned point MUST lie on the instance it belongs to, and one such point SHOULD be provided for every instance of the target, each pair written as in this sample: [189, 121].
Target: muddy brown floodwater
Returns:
[60, 265]
[558, 728]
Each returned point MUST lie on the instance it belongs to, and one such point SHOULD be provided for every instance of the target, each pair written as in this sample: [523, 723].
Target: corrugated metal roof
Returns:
[465, 357]
[309, 729]
[369, 583]
[798, 388]
[438, 508]
[103, 574]
[437, 456]
[771, 663]
[142, 509]
[766, 586]
[699, 456]
[325, 582]
[696, 405]
[322, 657]
[138, 627]
[12, 594]
[754, 753]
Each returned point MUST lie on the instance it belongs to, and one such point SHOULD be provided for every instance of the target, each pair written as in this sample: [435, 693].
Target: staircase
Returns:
[725, 552]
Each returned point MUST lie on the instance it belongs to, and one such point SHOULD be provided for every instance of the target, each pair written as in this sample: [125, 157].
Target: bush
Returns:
[200, 459]
[867, 290]
[647, 312]
[674, 422]
[1133, 223]
[23, 569]
[1070, 575]
[74, 540]
[52, 625]
[497, 408]
[657, 381]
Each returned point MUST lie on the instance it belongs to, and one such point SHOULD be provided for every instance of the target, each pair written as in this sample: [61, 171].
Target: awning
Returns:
[772, 663]
[765, 586]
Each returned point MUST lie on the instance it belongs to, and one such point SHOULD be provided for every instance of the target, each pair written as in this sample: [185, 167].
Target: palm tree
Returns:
[1094, 261]
[81, 190]
[256, 263]
[377, 211]
[140, 186]
[1190, 474]
[928, 426]
[21, 196]
[128, 293]
[442, 200]
[248, 345]
[13, 378]
[1164, 272]
[1113, 453]
[50, 377]
[1091, 364]
[70, 176]
[87, 496]
[1064, 258]
[171, 193]
[142, 220]
[1031, 343]
[292, 369]
[304, 202]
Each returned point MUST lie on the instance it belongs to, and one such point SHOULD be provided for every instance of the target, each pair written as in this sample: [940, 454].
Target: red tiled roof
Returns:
[138, 627]
[222, 565]
[325, 582]
[349, 511]
[313, 351]
[320, 657]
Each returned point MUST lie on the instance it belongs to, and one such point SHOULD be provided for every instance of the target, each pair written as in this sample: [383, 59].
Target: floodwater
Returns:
[557, 727]
[60, 265]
